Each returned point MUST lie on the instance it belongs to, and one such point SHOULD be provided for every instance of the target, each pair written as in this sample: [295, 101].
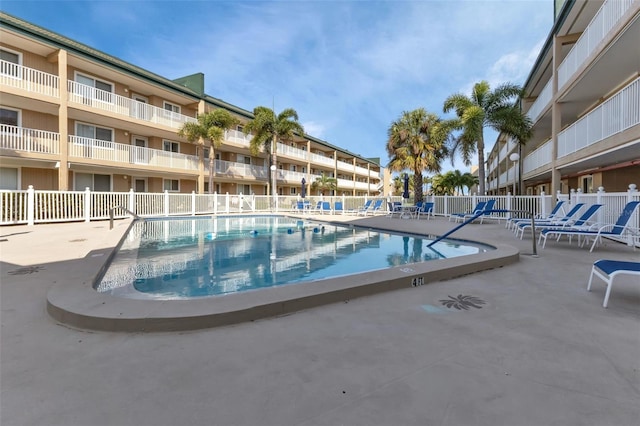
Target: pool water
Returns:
[189, 258]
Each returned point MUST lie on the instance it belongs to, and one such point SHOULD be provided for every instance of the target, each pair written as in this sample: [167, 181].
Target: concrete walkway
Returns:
[541, 350]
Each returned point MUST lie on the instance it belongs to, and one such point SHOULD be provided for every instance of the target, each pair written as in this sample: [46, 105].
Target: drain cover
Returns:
[26, 270]
[461, 302]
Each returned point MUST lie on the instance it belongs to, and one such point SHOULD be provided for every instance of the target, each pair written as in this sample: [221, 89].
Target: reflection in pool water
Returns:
[186, 258]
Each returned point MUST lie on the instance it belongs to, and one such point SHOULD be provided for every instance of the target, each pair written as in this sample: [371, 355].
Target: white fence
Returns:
[32, 206]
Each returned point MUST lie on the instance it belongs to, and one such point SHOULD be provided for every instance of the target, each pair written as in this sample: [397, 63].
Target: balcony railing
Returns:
[296, 177]
[363, 185]
[541, 102]
[615, 115]
[291, 151]
[116, 104]
[231, 169]
[541, 156]
[28, 79]
[29, 140]
[604, 20]
[343, 165]
[238, 137]
[363, 171]
[95, 149]
[320, 159]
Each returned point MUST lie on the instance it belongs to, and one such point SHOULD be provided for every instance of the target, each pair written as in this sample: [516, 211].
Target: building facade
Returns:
[73, 117]
[583, 97]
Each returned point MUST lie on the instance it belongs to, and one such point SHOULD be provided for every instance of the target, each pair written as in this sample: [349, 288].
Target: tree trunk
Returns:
[212, 169]
[274, 162]
[481, 175]
[417, 186]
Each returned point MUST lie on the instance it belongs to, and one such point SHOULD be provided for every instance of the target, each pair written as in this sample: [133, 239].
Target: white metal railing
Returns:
[295, 176]
[238, 137]
[615, 115]
[539, 157]
[29, 79]
[228, 168]
[345, 166]
[29, 140]
[320, 159]
[345, 183]
[95, 149]
[363, 171]
[31, 206]
[541, 102]
[604, 20]
[291, 151]
[116, 104]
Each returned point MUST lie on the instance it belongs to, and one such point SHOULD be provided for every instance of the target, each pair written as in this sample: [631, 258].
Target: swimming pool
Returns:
[194, 258]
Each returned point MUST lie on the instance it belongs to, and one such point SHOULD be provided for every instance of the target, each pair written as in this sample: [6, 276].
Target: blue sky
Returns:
[349, 68]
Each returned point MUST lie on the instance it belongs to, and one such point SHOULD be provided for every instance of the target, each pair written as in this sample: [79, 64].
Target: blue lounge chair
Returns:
[479, 207]
[337, 208]
[394, 208]
[582, 223]
[607, 270]
[362, 209]
[616, 230]
[325, 208]
[555, 214]
[317, 207]
[567, 222]
[522, 226]
[426, 209]
[487, 213]
[375, 208]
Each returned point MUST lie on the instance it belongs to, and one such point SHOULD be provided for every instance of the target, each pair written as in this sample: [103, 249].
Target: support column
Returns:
[556, 120]
[63, 122]
[201, 159]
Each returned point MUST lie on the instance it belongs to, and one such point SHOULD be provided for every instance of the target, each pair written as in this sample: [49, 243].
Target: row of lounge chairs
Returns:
[324, 207]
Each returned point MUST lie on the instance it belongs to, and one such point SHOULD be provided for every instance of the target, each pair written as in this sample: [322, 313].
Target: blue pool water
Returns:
[187, 258]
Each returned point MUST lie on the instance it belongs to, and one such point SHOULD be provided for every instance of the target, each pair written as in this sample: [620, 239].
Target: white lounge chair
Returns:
[607, 270]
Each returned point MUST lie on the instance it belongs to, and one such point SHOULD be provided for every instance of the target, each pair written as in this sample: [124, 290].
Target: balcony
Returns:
[232, 169]
[290, 151]
[363, 171]
[95, 149]
[20, 139]
[604, 20]
[541, 102]
[540, 157]
[322, 160]
[28, 79]
[296, 177]
[238, 137]
[106, 101]
[343, 165]
[615, 115]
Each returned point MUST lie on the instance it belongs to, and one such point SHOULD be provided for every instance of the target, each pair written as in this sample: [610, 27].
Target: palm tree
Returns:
[416, 141]
[443, 184]
[469, 180]
[267, 129]
[485, 108]
[324, 183]
[211, 126]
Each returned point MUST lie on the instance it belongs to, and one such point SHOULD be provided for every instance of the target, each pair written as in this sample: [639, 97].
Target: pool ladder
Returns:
[477, 215]
[112, 209]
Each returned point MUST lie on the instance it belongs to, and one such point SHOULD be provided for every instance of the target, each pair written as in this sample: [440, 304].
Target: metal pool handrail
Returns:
[112, 209]
[477, 215]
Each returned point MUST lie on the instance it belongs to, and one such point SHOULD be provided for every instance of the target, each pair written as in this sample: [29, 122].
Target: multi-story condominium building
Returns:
[73, 117]
[583, 96]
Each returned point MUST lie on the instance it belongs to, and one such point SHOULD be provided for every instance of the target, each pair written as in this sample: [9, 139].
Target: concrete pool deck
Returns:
[540, 350]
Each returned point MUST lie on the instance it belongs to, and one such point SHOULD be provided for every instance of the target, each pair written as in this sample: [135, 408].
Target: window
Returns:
[8, 178]
[170, 146]
[90, 134]
[10, 117]
[244, 189]
[292, 191]
[94, 182]
[11, 62]
[171, 107]
[244, 159]
[171, 185]
[95, 83]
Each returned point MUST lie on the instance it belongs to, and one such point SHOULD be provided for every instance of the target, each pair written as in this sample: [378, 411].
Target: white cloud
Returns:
[314, 129]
